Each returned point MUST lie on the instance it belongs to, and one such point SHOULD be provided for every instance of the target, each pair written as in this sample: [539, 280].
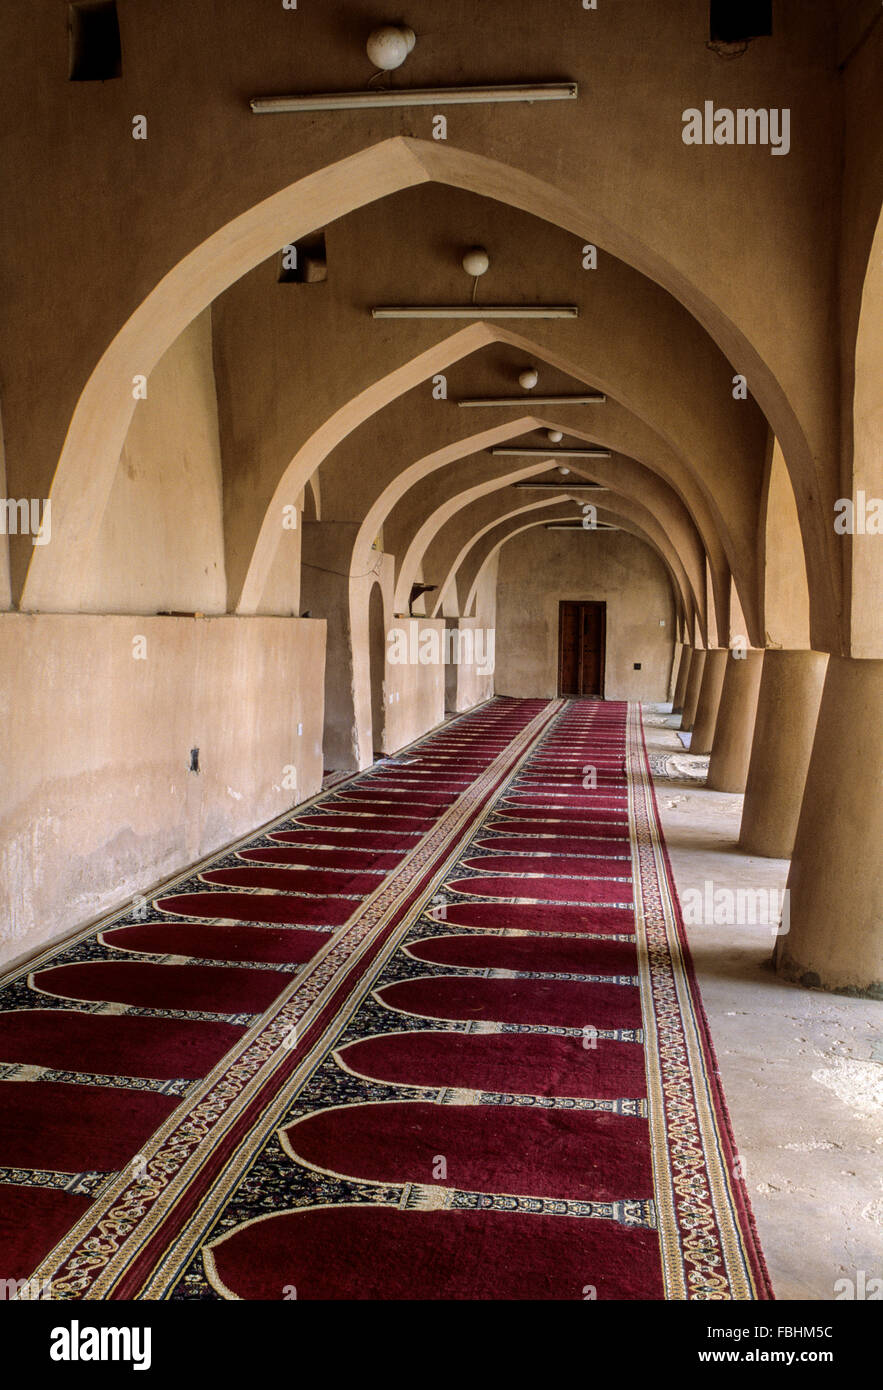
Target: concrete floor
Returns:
[802, 1070]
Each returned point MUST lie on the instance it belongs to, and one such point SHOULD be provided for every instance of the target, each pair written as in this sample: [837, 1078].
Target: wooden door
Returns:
[581, 636]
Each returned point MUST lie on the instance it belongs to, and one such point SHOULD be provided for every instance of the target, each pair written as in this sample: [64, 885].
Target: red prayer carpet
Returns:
[433, 1035]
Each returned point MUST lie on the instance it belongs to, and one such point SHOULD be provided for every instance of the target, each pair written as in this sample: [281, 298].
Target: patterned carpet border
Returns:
[704, 1213]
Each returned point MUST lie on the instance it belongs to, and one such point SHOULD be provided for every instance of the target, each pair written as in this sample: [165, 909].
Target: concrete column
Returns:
[676, 650]
[731, 750]
[709, 699]
[694, 683]
[787, 709]
[677, 703]
[325, 593]
[835, 886]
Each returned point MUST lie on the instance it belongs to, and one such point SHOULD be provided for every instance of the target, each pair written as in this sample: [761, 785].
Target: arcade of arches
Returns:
[277, 547]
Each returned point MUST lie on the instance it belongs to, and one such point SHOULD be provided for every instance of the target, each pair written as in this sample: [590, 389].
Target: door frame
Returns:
[583, 602]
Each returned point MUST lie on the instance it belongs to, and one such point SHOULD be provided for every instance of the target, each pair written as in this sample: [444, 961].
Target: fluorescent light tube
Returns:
[428, 96]
[595, 399]
[502, 452]
[476, 311]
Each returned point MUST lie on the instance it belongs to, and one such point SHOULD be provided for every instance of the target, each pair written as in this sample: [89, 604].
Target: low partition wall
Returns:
[471, 660]
[414, 679]
[102, 717]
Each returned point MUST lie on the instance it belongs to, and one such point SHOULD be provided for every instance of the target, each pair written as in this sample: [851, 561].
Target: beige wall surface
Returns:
[98, 803]
[786, 600]
[415, 689]
[160, 547]
[470, 679]
[540, 568]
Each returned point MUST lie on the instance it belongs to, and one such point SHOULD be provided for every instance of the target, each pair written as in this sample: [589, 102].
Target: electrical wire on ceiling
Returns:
[342, 574]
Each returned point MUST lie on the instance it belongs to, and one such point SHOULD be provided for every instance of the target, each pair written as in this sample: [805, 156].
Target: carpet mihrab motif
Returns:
[434, 1036]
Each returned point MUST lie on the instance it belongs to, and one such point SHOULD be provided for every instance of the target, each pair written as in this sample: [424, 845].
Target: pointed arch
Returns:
[100, 421]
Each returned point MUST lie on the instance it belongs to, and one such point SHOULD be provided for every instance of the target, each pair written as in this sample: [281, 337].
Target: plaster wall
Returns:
[470, 681]
[97, 802]
[5, 580]
[485, 605]
[539, 568]
[786, 607]
[329, 591]
[367, 661]
[415, 691]
[160, 547]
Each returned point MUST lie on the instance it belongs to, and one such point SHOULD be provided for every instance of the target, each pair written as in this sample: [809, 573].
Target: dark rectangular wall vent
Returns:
[95, 52]
[736, 21]
[304, 262]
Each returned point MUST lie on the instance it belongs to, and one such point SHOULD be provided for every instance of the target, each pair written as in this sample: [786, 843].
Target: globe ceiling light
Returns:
[476, 261]
[389, 46]
[554, 436]
[529, 378]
